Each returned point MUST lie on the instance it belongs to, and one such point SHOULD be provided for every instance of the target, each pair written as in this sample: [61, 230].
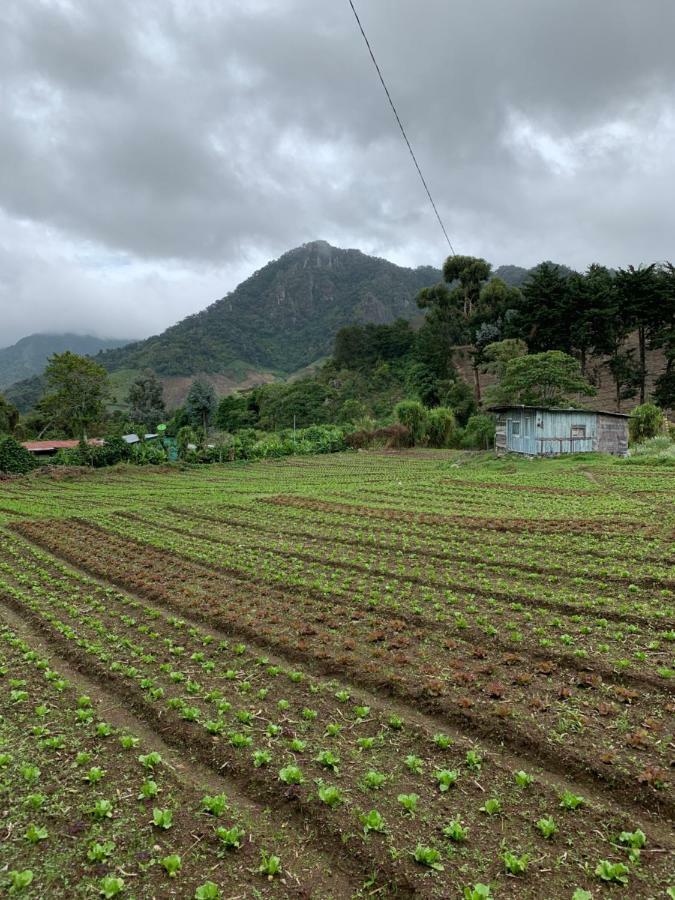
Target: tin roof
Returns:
[568, 409]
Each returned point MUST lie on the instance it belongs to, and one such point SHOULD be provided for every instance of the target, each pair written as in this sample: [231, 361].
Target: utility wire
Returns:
[400, 125]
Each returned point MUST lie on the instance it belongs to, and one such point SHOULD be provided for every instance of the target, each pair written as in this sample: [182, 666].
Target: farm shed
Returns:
[548, 431]
[50, 448]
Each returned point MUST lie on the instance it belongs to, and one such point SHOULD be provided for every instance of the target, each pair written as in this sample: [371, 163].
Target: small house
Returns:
[548, 431]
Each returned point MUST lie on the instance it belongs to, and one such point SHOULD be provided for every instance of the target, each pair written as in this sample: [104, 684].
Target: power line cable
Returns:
[400, 125]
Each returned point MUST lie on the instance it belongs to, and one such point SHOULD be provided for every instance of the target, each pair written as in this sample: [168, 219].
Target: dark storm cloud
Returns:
[153, 151]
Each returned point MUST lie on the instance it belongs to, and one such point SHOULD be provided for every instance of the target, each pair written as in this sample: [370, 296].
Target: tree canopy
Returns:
[146, 400]
[548, 378]
[9, 416]
[77, 391]
[200, 404]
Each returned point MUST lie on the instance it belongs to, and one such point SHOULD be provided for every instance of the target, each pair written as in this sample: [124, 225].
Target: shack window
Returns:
[578, 431]
[515, 427]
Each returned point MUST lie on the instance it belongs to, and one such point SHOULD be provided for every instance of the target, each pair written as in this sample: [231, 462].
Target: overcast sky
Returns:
[153, 153]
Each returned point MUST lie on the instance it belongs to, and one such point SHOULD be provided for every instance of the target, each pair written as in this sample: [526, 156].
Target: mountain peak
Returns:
[283, 317]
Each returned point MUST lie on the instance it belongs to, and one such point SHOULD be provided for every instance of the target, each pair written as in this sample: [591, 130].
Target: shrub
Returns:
[392, 437]
[646, 421]
[14, 459]
[415, 417]
[440, 427]
[479, 433]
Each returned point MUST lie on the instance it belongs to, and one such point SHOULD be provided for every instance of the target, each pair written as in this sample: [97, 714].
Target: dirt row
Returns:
[232, 605]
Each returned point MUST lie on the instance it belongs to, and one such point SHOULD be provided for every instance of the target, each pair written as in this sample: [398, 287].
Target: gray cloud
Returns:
[153, 152]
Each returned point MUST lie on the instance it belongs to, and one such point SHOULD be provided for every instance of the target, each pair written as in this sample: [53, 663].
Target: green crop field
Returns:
[359, 675]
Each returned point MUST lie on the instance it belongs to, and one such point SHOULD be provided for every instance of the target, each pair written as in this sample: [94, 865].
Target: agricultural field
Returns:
[421, 674]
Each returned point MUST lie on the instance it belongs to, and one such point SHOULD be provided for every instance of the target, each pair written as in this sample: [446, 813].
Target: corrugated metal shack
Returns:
[548, 431]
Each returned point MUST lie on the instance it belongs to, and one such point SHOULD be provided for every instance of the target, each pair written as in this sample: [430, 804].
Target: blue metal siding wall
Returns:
[546, 433]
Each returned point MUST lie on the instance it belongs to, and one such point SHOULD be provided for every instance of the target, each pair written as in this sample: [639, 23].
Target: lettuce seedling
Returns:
[172, 864]
[609, 871]
[328, 760]
[99, 853]
[409, 803]
[373, 821]
[547, 827]
[231, 837]
[216, 805]
[261, 758]
[18, 880]
[522, 779]
[94, 775]
[207, 891]
[35, 834]
[149, 790]
[473, 760]
[102, 809]
[414, 763]
[291, 775]
[162, 818]
[516, 865]
[110, 886]
[330, 795]
[373, 780]
[150, 760]
[428, 856]
[446, 778]
[492, 806]
[568, 800]
[456, 831]
[270, 865]
[478, 892]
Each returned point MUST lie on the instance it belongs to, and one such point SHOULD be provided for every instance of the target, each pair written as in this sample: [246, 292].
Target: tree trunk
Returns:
[476, 382]
[583, 361]
[643, 366]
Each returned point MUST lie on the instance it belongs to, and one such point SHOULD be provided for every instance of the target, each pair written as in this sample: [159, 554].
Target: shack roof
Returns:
[46, 446]
[563, 409]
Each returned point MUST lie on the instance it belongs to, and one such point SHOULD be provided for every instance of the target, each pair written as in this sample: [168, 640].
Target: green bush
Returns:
[646, 421]
[479, 433]
[414, 416]
[440, 427]
[113, 451]
[14, 459]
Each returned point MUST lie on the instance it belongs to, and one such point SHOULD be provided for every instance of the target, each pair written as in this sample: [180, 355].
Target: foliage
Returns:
[413, 416]
[646, 421]
[9, 416]
[428, 856]
[479, 433]
[299, 403]
[285, 316]
[200, 404]
[657, 451]
[546, 312]
[392, 437]
[146, 401]
[78, 388]
[495, 358]
[612, 872]
[440, 427]
[363, 346]
[543, 378]
[14, 458]
[234, 412]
